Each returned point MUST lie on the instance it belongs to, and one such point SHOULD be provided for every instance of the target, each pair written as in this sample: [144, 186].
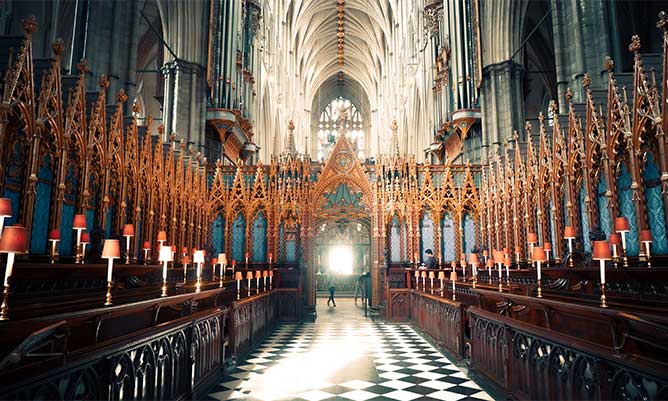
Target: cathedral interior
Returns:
[184, 183]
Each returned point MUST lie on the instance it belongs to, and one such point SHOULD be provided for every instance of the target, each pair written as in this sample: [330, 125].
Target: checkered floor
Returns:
[346, 360]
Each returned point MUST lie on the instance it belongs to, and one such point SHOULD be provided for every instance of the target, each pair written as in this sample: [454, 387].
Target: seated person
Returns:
[430, 261]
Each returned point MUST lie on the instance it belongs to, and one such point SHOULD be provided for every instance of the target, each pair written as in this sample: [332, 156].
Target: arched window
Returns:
[340, 116]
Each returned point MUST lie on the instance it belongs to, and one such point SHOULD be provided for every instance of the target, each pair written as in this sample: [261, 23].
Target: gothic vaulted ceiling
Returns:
[340, 39]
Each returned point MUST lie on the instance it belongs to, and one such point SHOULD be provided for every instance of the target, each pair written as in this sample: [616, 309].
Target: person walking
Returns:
[332, 288]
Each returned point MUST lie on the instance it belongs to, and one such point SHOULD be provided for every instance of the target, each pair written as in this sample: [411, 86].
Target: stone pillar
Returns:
[502, 102]
[184, 109]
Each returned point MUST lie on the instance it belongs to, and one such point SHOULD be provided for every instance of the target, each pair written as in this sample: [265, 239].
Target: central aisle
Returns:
[344, 356]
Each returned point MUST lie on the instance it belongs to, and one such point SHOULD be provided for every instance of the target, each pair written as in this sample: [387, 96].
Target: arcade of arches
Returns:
[479, 187]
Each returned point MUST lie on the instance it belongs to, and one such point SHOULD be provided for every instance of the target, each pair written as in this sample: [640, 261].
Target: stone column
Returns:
[184, 109]
[502, 102]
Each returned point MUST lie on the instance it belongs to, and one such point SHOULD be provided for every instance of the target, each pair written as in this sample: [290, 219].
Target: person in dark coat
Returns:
[430, 261]
[332, 288]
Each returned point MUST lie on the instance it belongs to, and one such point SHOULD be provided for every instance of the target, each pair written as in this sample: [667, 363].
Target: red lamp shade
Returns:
[538, 254]
[14, 240]
[246, 255]
[5, 207]
[269, 255]
[54, 235]
[249, 275]
[111, 249]
[214, 261]
[473, 258]
[265, 274]
[162, 236]
[271, 273]
[234, 262]
[505, 251]
[147, 245]
[79, 222]
[518, 249]
[622, 225]
[128, 230]
[238, 276]
[453, 264]
[506, 261]
[185, 260]
[601, 250]
[485, 253]
[569, 232]
[615, 239]
[258, 274]
[85, 238]
[490, 263]
[547, 246]
[645, 236]
[498, 256]
[532, 238]
[184, 249]
[173, 248]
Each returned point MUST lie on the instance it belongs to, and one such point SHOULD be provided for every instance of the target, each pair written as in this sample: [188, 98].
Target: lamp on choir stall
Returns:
[198, 258]
[622, 227]
[214, 262]
[473, 259]
[270, 256]
[432, 275]
[79, 225]
[506, 253]
[539, 257]
[271, 276]
[54, 237]
[646, 239]
[165, 256]
[485, 255]
[518, 250]
[498, 258]
[234, 265]
[13, 240]
[249, 277]
[507, 262]
[258, 275]
[548, 248]
[246, 256]
[162, 238]
[5, 211]
[265, 274]
[238, 277]
[222, 259]
[569, 235]
[441, 277]
[532, 240]
[463, 264]
[85, 240]
[110, 250]
[416, 258]
[490, 264]
[417, 279]
[423, 274]
[453, 278]
[185, 261]
[615, 240]
[601, 252]
[128, 232]
[184, 251]
[173, 249]
[146, 248]
[453, 265]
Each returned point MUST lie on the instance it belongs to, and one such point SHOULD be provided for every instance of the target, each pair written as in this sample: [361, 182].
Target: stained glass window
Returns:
[340, 116]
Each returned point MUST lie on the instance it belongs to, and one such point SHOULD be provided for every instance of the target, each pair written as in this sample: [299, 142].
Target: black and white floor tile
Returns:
[346, 359]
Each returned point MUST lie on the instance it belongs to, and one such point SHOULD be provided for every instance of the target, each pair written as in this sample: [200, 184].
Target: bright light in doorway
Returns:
[341, 260]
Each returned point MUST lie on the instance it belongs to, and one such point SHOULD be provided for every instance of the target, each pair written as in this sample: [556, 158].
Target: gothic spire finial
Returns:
[395, 137]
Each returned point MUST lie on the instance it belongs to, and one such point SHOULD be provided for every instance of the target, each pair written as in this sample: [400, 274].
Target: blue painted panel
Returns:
[218, 234]
[627, 209]
[281, 241]
[552, 231]
[426, 234]
[605, 220]
[15, 199]
[259, 239]
[291, 251]
[40, 222]
[239, 238]
[584, 218]
[110, 218]
[66, 233]
[469, 233]
[655, 212]
[395, 240]
[448, 241]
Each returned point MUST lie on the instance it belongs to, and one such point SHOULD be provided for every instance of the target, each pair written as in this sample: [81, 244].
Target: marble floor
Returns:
[345, 356]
